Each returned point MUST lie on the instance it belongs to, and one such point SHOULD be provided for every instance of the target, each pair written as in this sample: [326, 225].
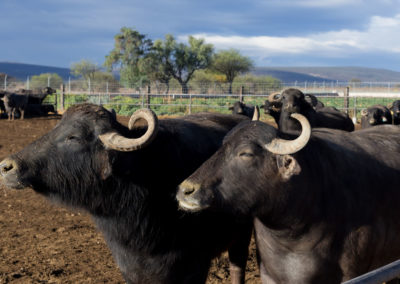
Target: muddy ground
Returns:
[42, 242]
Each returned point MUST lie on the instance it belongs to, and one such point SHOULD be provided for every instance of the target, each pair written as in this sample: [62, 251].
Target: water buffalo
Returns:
[293, 101]
[126, 178]
[324, 204]
[2, 107]
[395, 110]
[13, 103]
[375, 115]
[35, 100]
[273, 105]
[313, 101]
[242, 109]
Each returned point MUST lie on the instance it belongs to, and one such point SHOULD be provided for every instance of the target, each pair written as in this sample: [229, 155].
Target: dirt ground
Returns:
[41, 242]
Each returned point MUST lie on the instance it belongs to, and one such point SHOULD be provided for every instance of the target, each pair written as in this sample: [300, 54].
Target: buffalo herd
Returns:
[25, 101]
[170, 195]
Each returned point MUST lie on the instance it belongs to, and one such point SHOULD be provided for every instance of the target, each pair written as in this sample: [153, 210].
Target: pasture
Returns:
[42, 242]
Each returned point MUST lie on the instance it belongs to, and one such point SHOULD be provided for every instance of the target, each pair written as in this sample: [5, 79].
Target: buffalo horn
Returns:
[256, 114]
[284, 147]
[364, 112]
[275, 97]
[116, 141]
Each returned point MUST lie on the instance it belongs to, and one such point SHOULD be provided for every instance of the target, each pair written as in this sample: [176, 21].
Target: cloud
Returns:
[382, 35]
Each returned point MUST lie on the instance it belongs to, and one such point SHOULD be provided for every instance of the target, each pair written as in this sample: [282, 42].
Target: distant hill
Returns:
[285, 74]
[22, 71]
[318, 74]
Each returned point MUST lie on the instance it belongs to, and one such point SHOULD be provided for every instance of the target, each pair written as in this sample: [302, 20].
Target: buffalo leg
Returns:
[238, 254]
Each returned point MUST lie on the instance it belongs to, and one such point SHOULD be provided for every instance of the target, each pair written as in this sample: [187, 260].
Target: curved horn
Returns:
[256, 114]
[118, 142]
[364, 112]
[284, 147]
[275, 97]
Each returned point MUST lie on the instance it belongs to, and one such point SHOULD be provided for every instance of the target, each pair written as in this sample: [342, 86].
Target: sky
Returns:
[272, 33]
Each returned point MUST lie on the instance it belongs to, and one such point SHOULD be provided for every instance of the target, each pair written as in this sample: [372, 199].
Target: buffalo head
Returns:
[252, 156]
[78, 154]
[375, 115]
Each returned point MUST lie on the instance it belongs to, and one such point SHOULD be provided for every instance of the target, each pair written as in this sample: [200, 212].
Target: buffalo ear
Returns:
[287, 166]
[103, 165]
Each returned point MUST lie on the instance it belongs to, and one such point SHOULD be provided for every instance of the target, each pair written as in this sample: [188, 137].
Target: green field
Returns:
[184, 104]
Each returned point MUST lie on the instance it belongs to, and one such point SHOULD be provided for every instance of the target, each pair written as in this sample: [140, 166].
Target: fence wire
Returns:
[211, 96]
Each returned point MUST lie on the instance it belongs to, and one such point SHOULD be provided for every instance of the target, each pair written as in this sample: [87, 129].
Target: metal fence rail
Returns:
[214, 96]
[179, 104]
[380, 275]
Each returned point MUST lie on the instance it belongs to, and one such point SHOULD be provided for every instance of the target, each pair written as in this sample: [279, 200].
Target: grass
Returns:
[181, 105]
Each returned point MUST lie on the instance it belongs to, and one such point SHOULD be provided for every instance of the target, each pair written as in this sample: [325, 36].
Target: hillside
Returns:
[22, 71]
[285, 74]
[318, 74]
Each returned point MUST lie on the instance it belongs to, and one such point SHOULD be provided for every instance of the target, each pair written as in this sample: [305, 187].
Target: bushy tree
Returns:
[257, 84]
[231, 63]
[130, 47]
[204, 80]
[52, 80]
[154, 65]
[105, 81]
[84, 68]
[181, 60]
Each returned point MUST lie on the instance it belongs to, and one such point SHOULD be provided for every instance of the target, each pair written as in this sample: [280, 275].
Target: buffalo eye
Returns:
[246, 155]
[72, 138]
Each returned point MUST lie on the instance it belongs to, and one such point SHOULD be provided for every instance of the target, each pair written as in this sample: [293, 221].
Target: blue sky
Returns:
[271, 32]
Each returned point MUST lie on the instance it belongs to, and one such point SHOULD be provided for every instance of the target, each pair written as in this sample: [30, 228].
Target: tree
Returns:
[231, 63]
[84, 68]
[105, 81]
[52, 80]
[130, 48]
[181, 60]
[154, 64]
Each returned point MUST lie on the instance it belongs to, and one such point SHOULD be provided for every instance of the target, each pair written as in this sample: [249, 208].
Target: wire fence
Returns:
[210, 96]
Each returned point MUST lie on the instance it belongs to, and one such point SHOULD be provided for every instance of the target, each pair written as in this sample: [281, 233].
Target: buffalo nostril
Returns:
[6, 166]
[187, 188]
[188, 191]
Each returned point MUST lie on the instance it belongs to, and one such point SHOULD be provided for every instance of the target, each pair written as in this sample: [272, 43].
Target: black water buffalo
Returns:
[126, 178]
[2, 107]
[273, 105]
[375, 115]
[242, 109]
[35, 101]
[324, 204]
[293, 101]
[13, 103]
[313, 101]
[395, 110]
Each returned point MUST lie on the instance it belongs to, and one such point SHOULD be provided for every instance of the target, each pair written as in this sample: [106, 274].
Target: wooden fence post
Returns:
[241, 94]
[346, 99]
[190, 103]
[148, 96]
[62, 91]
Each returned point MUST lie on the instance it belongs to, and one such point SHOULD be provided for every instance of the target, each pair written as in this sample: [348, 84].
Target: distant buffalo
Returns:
[13, 103]
[293, 101]
[395, 110]
[243, 109]
[375, 115]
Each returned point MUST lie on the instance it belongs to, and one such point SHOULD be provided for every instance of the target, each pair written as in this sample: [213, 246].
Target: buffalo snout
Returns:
[9, 174]
[191, 197]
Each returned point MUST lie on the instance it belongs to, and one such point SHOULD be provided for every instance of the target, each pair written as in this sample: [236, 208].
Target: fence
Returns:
[208, 98]
[212, 96]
